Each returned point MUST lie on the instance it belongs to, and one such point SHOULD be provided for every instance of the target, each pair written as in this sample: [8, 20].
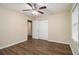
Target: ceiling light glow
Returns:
[35, 12]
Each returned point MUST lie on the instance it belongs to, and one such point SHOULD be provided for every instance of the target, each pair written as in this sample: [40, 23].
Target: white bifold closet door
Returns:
[35, 29]
[43, 30]
[40, 29]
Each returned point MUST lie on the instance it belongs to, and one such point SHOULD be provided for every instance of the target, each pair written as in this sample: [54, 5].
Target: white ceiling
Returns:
[52, 8]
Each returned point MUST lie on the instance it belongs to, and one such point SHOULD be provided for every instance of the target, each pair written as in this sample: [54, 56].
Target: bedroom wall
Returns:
[13, 27]
[58, 27]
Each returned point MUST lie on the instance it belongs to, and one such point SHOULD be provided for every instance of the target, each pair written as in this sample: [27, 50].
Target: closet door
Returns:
[43, 30]
[35, 29]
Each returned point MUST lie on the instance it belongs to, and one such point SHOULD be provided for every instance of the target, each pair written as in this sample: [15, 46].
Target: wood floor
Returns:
[37, 47]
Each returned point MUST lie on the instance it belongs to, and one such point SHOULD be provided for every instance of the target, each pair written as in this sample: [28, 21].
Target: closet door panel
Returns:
[43, 30]
[35, 29]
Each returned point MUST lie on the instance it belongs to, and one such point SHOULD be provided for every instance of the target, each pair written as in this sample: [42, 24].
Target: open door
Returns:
[29, 22]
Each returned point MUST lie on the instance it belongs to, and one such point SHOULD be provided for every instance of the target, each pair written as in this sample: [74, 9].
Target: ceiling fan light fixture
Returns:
[35, 12]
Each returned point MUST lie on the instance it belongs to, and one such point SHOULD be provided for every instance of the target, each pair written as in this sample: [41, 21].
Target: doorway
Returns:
[29, 23]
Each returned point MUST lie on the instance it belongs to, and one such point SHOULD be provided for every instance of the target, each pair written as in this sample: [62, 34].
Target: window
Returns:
[75, 24]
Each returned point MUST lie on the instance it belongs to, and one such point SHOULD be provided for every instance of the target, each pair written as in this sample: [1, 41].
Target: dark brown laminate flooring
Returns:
[37, 47]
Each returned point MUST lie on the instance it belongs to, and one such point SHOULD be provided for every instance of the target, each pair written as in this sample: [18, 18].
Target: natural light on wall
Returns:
[75, 24]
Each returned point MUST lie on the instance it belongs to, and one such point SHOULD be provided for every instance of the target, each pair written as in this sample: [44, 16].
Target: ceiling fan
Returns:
[35, 8]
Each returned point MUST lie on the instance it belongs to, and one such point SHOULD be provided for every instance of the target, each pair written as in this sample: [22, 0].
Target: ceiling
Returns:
[52, 8]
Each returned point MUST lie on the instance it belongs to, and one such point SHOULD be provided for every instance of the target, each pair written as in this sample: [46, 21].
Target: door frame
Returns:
[30, 21]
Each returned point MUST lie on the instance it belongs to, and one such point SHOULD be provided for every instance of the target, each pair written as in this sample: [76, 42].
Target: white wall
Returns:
[58, 27]
[78, 30]
[13, 27]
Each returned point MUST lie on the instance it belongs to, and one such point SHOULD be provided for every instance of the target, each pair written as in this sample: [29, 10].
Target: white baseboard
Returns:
[12, 44]
[54, 41]
[72, 50]
[59, 42]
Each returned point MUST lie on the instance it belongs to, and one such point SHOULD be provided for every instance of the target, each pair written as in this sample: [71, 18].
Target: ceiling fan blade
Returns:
[29, 4]
[41, 12]
[43, 7]
[26, 9]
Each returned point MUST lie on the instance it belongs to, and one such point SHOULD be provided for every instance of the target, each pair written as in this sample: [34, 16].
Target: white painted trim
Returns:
[73, 8]
[55, 41]
[72, 50]
[59, 42]
[12, 44]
